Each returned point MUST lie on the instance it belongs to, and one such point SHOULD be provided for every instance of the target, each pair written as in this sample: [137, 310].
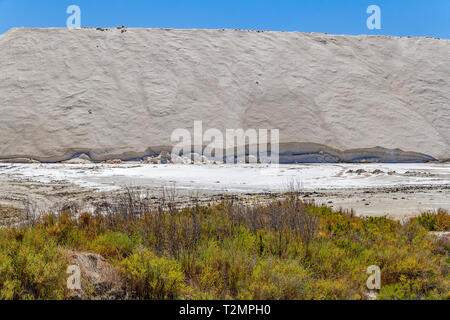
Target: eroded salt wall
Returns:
[117, 94]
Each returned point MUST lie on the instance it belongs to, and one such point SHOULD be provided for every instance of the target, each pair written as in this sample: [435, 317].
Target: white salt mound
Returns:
[119, 95]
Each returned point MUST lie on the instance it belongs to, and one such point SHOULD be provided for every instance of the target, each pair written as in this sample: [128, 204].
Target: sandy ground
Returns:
[396, 190]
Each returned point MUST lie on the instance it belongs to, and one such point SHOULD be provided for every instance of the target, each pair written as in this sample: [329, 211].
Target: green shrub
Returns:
[153, 277]
[435, 221]
[32, 268]
[278, 280]
[335, 289]
[115, 245]
[225, 268]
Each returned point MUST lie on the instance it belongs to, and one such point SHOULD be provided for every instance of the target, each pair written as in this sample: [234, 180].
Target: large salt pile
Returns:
[119, 93]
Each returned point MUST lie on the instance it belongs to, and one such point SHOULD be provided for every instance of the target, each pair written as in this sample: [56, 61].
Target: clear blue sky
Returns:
[398, 17]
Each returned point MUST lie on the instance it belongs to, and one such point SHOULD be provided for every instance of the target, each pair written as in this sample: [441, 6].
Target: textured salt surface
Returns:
[235, 178]
[115, 94]
[398, 190]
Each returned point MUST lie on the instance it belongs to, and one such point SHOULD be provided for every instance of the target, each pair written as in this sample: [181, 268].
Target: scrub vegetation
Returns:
[282, 249]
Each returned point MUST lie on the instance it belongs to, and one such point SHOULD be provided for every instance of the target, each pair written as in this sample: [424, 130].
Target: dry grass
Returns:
[10, 216]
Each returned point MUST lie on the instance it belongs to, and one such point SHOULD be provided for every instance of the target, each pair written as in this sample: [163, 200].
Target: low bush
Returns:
[31, 266]
[113, 244]
[153, 277]
[435, 221]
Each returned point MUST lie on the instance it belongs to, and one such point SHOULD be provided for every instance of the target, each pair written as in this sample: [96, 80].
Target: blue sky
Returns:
[398, 17]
